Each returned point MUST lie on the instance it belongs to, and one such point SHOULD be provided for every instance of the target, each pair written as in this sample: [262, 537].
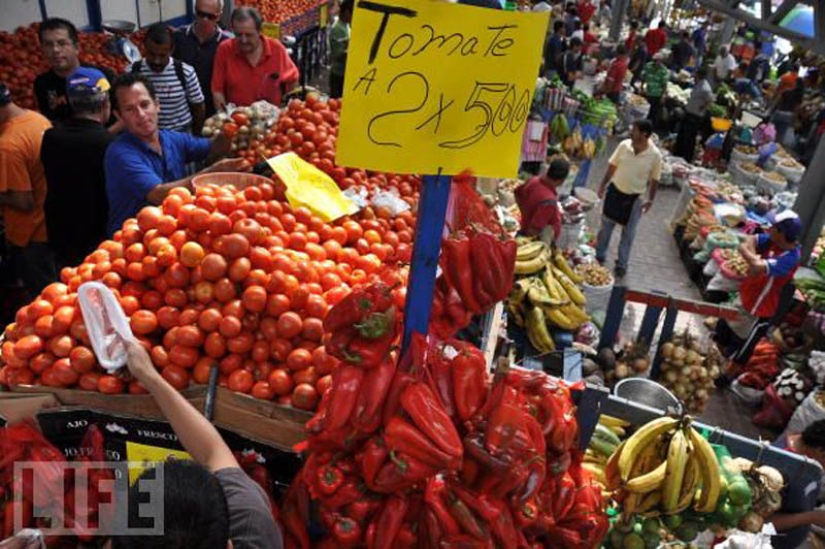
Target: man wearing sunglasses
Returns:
[196, 44]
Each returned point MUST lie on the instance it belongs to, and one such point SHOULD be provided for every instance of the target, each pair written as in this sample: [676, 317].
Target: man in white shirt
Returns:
[723, 65]
[695, 113]
[182, 104]
[628, 190]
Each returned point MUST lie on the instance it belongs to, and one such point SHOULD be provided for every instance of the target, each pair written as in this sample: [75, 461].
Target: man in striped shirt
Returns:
[182, 106]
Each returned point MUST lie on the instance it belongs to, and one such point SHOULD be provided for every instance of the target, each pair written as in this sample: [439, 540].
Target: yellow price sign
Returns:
[271, 30]
[435, 86]
[143, 456]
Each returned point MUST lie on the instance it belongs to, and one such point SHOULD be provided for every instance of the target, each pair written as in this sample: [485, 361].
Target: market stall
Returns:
[312, 312]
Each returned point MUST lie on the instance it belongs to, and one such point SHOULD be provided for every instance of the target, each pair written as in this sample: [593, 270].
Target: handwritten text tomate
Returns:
[431, 86]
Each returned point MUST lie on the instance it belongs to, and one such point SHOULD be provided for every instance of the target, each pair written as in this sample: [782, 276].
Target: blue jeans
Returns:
[628, 234]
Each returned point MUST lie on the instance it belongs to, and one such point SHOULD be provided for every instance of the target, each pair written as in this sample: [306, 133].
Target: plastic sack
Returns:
[311, 188]
[358, 196]
[806, 413]
[106, 323]
[467, 208]
[748, 395]
[27, 538]
[391, 201]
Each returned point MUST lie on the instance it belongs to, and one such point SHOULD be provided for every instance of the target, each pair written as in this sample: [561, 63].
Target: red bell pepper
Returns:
[329, 479]
[564, 497]
[401, 436]
[401, 380]
[501, 521]
[389, 521]
[467, 519]
[347, 531]
[367, 414]
[469, 376]
[463, 541]
[373, 457]
[419, 401]
[348, 492]
[430, 531]
[358, 305]
[368, 353]
[474, 446]
[494, 263]
[442, 380]
[527, 514]
[406, 538]
[295, 526]
[455, 265]
[434, 496]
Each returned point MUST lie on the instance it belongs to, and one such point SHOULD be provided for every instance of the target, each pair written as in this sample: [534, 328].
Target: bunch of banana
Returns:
[666, 466]
[559, 128]
[531, 257]
[538, 334]
[605, 442]
[588, 148]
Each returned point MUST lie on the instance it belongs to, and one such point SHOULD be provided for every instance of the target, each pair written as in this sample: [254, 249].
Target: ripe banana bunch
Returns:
[588, 148]
[666, 466]
[537, 332]
[531, 257]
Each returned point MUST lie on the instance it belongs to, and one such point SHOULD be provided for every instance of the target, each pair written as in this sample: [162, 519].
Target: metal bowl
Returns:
[116, 26]
[644, 391]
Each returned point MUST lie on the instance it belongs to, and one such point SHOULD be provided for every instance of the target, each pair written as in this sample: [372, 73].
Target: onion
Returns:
[667, 349]
[679, 354]
[671, 376]
[686, 371]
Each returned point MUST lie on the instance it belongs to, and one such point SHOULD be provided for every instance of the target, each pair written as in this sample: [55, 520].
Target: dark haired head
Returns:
[160, 34]
[634, 24]
[195, 510]
[56, 23]
[127, 80]
[558, 170]
[239, 15]
[575, 42]
[702, 72]
[621, 50]
[662, 24]
[645, 126]
[814, 435]
[558, 26]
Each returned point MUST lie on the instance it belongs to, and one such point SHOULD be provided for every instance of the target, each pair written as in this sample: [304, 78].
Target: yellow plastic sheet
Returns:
[308, 186]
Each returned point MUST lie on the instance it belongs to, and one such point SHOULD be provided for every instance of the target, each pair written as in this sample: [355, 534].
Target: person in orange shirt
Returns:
[23, 192]
[251, 67]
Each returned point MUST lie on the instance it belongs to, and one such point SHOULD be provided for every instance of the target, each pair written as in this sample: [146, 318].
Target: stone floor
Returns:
[655, 265]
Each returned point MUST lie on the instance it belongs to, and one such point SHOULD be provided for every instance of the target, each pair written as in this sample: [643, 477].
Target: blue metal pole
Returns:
[432, 209]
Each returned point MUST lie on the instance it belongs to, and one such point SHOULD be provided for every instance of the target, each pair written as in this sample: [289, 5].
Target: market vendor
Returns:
[773, 258]
[251, 67]
[538, 202]
[793, 521]
[144, 163]
[701, 98]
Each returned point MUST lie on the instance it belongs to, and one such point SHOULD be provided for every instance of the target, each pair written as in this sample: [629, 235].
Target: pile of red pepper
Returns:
[56, 485]
[762, 367]
[477, 262]
[431, 451]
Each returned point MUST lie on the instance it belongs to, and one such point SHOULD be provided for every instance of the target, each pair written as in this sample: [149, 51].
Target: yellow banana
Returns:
[557, 317]
[640, 440]
[537, 331]
[575, 314]
[555, 288]
[676, 461]
[531, 266]
[630, 504]
[709, 472]
[561, 263]
[539, 295]
[650, 501]
[597, 471]
[517, 314]
[612, 421]
[530, 250]
[618, 431]
[576, 295]
[593, 457]
[688, 489]
[611, 469]
[648, 482]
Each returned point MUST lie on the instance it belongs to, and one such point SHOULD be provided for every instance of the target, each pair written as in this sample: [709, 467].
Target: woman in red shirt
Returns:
[538, 202]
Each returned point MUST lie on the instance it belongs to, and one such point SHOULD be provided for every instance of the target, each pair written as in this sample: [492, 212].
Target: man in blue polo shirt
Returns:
[145, 163]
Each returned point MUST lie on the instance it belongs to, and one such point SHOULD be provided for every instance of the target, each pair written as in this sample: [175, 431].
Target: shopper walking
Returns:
[638, 60]
[701, 97]
[785, 111]
[628, 190]
[723, 66]
[23, 192]
[197, 44]
[182, 105]
[683, 53]
[655, 77]
[72, 156]
[614, 80]
[656, 38]
[338, 44]
[554, 49]
[632, 37]
[572, 63]
[700, 42]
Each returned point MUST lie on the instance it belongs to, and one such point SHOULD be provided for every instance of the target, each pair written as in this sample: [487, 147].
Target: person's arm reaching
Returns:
[160, 192]
[198, 116]
[788, 521]
[611, 169]
[219, 76]
[197, 435]
[747, 250]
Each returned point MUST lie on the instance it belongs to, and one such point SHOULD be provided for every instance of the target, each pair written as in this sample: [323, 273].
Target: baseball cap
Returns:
[788, 223]
[85, 81]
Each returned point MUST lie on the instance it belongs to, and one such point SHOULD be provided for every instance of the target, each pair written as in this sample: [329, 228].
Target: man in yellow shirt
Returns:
[23, 192]
[628, 190]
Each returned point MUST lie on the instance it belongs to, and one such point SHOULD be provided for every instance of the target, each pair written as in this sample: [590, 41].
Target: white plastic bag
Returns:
[27, 538]
[737, 539]
[806, 413]
[391, 201]
[106, 324]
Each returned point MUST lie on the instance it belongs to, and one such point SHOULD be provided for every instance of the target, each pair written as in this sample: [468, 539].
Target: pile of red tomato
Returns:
[278, 11]
[237, 278]
[21, 61]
